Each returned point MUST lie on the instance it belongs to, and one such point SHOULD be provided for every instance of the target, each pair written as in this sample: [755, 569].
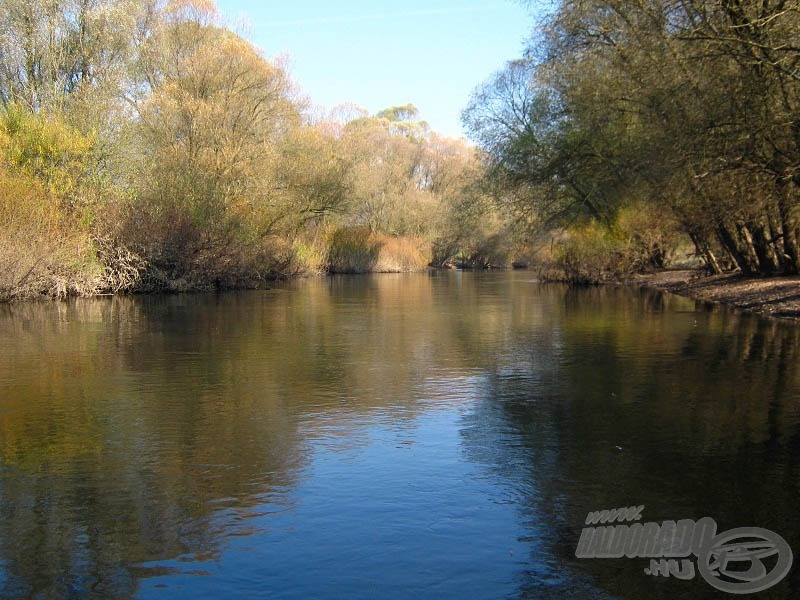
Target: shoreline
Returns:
[775, 297]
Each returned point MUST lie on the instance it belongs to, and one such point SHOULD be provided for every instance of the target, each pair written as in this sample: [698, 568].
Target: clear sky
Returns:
[430, 53]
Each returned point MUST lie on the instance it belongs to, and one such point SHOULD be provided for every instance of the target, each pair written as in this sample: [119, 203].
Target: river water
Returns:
[438, 435]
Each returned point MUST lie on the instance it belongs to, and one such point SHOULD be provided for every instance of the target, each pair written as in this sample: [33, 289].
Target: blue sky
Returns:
[431, 53]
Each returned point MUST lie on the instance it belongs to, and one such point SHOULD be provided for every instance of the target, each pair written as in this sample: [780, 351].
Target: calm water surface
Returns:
[437, 435]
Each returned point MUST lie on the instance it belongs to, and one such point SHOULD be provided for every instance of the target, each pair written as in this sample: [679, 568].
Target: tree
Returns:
[389, 191]
[64, 51]
[211, 131]
[690, 105]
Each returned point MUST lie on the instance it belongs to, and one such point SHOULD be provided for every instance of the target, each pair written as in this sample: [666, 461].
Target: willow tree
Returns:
[689, 106]
[390, 195]
[210, 130]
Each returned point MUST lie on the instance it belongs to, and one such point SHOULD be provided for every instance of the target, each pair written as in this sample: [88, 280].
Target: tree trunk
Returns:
[762, 242]
[703, 249]
[788, 210]
[728, 241]
[749, 248]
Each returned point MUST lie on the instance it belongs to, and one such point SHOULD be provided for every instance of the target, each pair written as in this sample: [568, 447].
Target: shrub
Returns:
[641, 238]
[55, 154]
[358, 250]
[43, 252]
[588, 254]
[308, 257]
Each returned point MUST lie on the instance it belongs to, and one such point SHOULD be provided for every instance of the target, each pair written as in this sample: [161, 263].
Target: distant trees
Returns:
[689, 107]
[390, 194]
[408, 181]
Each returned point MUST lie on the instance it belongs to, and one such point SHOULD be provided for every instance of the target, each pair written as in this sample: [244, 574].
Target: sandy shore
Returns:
[770, 296]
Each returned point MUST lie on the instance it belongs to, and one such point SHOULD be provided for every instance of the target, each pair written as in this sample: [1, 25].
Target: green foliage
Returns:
[640, 239]
[46, 182]
[691, 106]
[308, 257]
[407, 112]
[589, 254]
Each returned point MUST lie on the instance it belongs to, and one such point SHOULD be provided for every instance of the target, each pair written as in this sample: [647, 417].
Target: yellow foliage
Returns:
[42, 250]
[638, 240]
[358, 250]
[200, 11]
[46, 148]
[26, 206]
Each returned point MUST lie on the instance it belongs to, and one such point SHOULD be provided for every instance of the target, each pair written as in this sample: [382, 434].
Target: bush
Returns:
[46, 246]
[308, 258]
[180, 254]
[43, 252]
[641, 239]
[56, 155]
[588, 254]
[650, 236]
[358, 250]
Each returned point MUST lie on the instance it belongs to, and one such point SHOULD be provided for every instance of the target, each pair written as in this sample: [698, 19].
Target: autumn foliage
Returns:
[152, 148]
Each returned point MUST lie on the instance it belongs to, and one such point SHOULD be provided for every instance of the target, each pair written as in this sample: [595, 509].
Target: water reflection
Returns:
[688, 412]
[440, 434]
[118, 449]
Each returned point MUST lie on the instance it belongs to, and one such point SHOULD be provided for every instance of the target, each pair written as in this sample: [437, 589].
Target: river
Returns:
[436, 435]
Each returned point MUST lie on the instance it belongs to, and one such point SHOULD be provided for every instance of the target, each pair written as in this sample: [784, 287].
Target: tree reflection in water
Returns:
[141, 437]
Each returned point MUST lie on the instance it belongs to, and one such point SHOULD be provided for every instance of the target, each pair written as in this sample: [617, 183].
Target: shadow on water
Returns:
[451, 429]
[689, 411]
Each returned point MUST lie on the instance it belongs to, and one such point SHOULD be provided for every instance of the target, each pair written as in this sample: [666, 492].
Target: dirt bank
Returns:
[771, 296]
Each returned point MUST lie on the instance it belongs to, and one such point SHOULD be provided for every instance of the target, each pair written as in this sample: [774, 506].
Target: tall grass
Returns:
[358, 250]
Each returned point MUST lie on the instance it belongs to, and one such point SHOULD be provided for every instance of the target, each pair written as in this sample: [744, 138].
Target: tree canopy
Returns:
[689, 108]
[173, 154]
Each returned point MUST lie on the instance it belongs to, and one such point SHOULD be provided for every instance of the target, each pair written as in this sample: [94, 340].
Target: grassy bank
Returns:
[358, 250]
[49, 255]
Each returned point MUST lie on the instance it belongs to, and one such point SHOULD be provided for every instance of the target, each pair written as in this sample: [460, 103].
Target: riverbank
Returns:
[769, 296]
